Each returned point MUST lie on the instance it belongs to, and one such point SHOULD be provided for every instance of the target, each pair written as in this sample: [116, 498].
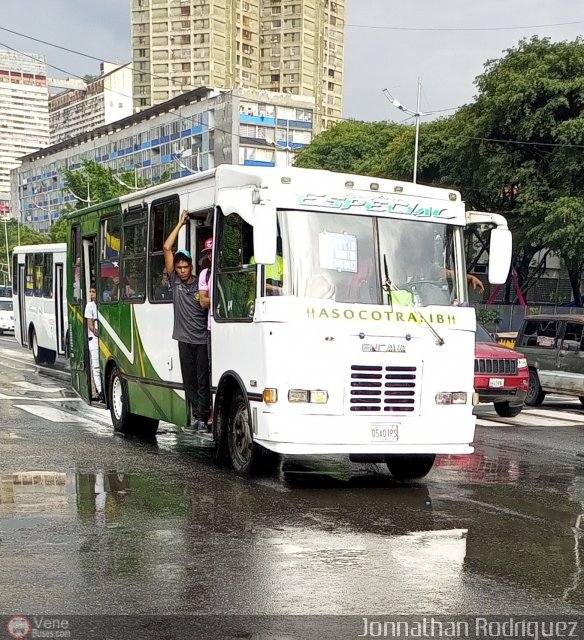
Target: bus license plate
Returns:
[383, 432]
[496, 382]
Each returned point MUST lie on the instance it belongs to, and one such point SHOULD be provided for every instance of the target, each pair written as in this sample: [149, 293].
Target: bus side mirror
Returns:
[264, 233]
[501, 246]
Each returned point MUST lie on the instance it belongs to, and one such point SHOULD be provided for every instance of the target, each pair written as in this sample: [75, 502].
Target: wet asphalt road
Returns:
[91, 522]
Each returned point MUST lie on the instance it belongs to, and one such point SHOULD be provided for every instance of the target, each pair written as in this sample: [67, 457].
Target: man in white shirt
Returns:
[93, 339]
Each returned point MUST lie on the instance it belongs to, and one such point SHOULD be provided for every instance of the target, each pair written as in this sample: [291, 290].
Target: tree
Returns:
[518, 150]
[17, 234]
[349, 147]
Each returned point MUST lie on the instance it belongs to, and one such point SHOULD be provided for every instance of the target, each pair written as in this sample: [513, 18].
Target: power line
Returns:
[525, 142]
[450, 29]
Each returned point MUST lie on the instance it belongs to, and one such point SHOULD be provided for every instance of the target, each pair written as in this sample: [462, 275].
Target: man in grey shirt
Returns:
[190, 327]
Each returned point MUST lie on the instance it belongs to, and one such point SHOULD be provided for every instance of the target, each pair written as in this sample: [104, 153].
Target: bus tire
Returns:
[410, 466]
[34, 346]
[247, 457]
[117, 399]
[49, 356]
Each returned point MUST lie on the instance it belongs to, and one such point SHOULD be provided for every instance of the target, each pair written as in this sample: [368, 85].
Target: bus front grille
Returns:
[378, 389]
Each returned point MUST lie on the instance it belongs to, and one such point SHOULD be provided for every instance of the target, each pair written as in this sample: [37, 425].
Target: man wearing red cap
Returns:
[190, 326]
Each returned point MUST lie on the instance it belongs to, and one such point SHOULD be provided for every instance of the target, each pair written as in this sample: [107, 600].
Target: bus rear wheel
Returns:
[40, 354]
[410, 466]
[247, 457]
[125, 422]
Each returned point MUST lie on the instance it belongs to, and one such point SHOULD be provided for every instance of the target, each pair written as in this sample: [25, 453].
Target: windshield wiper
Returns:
[439, 338]
[387, 285]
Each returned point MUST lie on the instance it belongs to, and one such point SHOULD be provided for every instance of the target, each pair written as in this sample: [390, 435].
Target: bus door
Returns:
[83, 266]
[60, 308]
[22, 304]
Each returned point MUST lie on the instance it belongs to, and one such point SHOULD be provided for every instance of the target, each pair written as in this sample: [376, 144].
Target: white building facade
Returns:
[107, 99]
[195, 131]
[24, 112]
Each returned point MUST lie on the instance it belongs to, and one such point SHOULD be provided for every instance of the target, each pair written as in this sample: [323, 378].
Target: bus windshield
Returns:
[359, 259]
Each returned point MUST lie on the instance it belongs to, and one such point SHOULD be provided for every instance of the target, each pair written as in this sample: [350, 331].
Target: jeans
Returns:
[194, 366]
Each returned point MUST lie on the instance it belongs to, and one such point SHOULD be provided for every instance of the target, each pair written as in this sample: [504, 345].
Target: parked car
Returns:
[500, 375]
[554, 347]
[6, 315]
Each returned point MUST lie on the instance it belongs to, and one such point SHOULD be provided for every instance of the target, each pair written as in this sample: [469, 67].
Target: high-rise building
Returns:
[24, 111]
[107, 99]
[289, 46]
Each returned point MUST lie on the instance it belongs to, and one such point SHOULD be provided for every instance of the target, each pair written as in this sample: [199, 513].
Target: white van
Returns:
[6, 315]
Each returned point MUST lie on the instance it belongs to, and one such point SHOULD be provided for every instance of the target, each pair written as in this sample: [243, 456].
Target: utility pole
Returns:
[417, 114]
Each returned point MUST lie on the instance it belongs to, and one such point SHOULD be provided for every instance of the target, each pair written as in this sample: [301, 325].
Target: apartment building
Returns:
[195, 131]
[24, 112]
[287, 46]
[105, 100]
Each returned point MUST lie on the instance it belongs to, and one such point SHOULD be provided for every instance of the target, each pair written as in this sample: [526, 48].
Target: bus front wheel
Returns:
[247, 457]
[125, 422]
[409, 466]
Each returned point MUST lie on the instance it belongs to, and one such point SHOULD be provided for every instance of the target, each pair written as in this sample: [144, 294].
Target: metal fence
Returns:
[511, 316]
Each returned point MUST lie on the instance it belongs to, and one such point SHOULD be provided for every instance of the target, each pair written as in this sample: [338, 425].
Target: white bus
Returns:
[40, 299]
[340, 313]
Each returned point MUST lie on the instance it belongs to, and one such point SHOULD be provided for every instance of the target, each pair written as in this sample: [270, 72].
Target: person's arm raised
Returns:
[169, 242]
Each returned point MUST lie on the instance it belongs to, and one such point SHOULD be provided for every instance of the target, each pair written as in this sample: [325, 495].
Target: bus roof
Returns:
[315, 180]
[41, 248]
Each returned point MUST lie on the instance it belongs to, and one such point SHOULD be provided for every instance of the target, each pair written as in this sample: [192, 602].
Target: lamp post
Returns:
[7, 253]
[417, 114]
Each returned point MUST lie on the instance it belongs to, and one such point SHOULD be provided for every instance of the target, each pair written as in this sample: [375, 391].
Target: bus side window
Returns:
[133, 276]
[38, 275]
[236, 276]
[109, 259]
[48, 275]
[29, 268]
[163, 219]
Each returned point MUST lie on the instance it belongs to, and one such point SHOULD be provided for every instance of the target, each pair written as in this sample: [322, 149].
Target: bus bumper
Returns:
[309, 434]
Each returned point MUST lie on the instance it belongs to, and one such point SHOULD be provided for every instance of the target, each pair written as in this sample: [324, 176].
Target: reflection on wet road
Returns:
[90, 522]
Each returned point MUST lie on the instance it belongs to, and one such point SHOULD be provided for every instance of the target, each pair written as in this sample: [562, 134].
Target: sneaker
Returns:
[200, 426]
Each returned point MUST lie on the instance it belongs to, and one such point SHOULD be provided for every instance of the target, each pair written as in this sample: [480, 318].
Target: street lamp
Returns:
[417, 115]
[7, 254]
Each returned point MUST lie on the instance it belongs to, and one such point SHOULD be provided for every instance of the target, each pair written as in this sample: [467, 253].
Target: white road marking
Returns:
[50, 413]
[550, 413]
[3, 396]
[481, 422]
[8, 354]
[29, 386]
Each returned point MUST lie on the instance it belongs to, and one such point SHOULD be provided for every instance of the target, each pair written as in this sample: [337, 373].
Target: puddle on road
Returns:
[300, 542]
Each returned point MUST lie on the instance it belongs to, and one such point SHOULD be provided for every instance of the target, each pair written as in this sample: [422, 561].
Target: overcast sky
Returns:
[446, 61]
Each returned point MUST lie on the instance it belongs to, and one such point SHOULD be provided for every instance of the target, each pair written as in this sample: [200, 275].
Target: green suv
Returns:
[554, 348]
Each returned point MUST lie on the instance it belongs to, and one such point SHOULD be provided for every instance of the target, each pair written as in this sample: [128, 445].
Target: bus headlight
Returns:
[451, 397]
[298, 395]
[314, 396]
[318, 396]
